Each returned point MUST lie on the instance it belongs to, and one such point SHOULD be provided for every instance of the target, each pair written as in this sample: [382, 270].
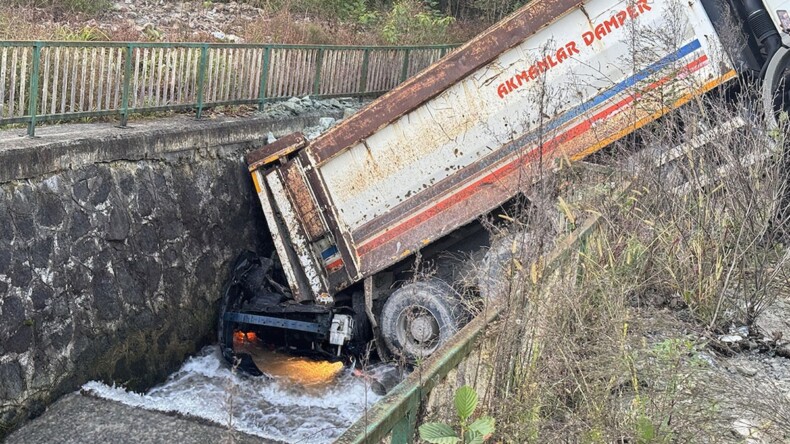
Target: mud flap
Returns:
[244, 362]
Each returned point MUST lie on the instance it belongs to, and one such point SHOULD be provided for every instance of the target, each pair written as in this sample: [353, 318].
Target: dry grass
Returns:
[283, 26]
[90, 8]
[291, 23]
[613, 346]
[18, 23]
[298, 24]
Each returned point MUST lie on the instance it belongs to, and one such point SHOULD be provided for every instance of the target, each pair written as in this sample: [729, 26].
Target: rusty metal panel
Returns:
[435, 79]
[304, 255]
[563, 91]
[299, 288]
[302, 200]
[273, 151]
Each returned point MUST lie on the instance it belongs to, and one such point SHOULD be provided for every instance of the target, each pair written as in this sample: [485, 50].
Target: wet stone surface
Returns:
[77, 419]
[112, 271]
[114, 244]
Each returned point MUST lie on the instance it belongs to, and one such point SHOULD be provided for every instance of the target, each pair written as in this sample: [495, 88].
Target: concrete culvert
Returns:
[419, 317]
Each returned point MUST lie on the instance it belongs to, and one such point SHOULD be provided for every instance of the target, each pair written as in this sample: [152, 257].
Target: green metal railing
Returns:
[54, 81]
[395, 416]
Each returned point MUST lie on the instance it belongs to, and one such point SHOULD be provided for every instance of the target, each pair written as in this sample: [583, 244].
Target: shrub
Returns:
[410, 22]
[84, 34]
[475, 432]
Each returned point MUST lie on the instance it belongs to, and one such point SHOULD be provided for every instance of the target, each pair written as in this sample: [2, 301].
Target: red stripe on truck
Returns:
[520, 161]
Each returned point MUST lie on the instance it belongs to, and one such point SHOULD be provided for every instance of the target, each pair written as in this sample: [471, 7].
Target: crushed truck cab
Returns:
[418, 167]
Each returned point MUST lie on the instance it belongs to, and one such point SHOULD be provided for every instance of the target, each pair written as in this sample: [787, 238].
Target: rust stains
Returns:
[275, 150]
[438, 77]
[328, 208]
[303, 202]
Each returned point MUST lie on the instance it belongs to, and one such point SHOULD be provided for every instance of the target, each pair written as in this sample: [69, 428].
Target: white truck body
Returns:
[557, 79]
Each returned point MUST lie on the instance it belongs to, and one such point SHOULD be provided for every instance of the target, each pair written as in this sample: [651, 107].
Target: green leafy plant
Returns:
[84, 34]
[476, 432]
[411, 22]
[357, 11]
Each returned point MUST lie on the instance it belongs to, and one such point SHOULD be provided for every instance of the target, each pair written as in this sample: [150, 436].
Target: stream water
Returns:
[300, 401]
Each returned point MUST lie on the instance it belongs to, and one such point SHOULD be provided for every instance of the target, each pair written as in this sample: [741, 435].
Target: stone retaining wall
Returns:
[113, 250]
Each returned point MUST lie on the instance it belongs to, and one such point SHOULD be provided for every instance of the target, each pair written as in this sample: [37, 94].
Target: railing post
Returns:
[264, 76]
[201, 79]
[127, 76]
[403, 432]
[317, 82]
[363, 82]
[405, 70]
[33, 105]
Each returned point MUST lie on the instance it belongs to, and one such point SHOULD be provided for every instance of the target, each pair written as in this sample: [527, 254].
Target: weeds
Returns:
[611, 346]
[88, 7]
[476, 432]
[346, 22]
[84, 34]
[231, 391]
[717, 244]
[410, 22]
[19, 24]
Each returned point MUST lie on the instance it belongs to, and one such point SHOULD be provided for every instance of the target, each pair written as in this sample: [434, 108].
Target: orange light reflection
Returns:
[294, 369]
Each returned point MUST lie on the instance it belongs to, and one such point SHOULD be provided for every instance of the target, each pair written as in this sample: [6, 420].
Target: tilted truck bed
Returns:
[557, 78]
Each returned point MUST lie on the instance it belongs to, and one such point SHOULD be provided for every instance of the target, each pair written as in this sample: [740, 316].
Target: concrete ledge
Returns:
[78, 419]
[63, 147]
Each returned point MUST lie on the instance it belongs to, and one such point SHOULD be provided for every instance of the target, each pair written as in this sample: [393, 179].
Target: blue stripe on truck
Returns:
[329, 252]
[387, 219]
[627, 83]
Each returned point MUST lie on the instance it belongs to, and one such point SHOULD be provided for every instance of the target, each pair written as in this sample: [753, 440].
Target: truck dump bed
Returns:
[557, 78]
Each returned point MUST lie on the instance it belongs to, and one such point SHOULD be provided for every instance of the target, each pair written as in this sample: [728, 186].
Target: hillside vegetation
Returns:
[343, 22]
[668, 322]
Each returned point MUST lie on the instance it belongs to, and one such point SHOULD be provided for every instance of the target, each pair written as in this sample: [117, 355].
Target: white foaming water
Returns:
[271, 408]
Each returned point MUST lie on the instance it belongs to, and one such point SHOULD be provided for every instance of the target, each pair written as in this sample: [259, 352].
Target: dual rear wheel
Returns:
[419, 317]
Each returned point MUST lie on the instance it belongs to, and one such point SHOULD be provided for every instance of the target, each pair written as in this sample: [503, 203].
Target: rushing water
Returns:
[300, 402]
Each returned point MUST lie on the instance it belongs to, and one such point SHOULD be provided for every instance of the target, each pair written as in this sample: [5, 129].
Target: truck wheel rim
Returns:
[419, 327]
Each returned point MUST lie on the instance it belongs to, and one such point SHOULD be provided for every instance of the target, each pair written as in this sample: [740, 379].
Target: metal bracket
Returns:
[382, 351]
[268, 321]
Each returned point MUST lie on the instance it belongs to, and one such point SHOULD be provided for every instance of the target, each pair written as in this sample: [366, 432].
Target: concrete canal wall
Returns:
[114, 244]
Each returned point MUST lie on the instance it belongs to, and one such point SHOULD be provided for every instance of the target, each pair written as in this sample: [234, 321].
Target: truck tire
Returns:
[773, 85]
[230, 301]
[497, 276]
[419, 317]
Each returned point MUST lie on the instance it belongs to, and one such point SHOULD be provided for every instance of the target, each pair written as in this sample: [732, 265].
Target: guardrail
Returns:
[395, 416]
[46, 81]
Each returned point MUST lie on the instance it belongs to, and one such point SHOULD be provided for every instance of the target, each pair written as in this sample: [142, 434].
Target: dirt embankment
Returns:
[136, 20]
[298, 22]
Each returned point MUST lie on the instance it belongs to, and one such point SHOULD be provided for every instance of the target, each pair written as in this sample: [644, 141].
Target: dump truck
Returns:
[411, 176]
